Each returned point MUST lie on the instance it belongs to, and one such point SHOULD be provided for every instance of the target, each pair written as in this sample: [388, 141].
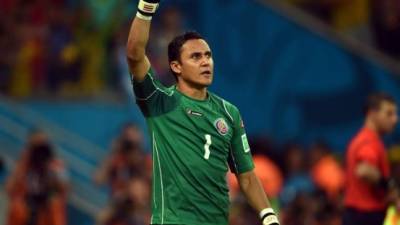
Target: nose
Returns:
[205, 61]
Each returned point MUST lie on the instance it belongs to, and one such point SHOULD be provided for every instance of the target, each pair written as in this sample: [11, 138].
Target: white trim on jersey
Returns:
[147, 98]
[157, 89]
[154, 186]
[226, 110]
[161, 179]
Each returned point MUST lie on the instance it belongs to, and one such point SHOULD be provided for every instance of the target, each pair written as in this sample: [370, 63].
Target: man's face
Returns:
[131, 139]
[196, 65]
[38, 139]
[386, 117]
[133, 134]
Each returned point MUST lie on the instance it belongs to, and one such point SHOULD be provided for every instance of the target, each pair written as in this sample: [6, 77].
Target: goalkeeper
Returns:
[195, 134]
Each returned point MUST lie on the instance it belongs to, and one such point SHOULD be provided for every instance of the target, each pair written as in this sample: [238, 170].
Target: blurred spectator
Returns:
[28, 65]
[73, 48]
[300, 210]
[311, 208]
[37, 187]
[127, 171]
[91, 42]
[131, 210]
[269, 174]
[326, 172]
[297, 179]
[64, 59]
[126, 160]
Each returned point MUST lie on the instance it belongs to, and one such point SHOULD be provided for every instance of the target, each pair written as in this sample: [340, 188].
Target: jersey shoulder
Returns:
[230, 109]
[152, 75]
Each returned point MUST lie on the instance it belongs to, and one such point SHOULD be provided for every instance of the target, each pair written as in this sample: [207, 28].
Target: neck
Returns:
[371, 125]
[199, 93]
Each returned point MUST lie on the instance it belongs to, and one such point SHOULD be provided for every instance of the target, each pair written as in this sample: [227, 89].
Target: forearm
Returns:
[138, 38]
[368, 173]
[255, 195]
[254, 192]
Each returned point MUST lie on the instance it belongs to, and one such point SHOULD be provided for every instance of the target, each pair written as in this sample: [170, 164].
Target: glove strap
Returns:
[268, 217]
[146, 10]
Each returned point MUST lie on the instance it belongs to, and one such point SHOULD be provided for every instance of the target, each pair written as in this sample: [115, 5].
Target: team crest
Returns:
[222, 126]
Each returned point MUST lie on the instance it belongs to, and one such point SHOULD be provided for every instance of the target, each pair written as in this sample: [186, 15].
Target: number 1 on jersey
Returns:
[207, 146]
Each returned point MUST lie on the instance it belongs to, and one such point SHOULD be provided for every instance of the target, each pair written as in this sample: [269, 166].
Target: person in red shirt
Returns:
[367, 167]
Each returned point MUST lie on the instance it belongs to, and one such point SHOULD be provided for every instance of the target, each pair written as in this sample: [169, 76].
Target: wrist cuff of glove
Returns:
[146, 9]
[268, 217]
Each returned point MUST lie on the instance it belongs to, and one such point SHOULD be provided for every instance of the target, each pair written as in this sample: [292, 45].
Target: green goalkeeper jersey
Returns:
[193, 144]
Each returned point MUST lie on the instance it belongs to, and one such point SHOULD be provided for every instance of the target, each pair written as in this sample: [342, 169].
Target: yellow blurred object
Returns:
[93, 53]
[394, 153]
[392, 216]
[70, 53]
[350, 14]
[21, 82]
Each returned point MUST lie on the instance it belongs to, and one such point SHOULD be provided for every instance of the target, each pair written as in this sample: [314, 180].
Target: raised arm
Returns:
[138, 37]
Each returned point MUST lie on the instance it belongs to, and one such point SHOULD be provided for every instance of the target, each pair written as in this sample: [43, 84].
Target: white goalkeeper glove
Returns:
[147, 8]
[268, 217]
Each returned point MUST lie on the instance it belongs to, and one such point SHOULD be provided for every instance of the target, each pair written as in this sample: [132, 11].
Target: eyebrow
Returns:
[199, 53]
[195, 54]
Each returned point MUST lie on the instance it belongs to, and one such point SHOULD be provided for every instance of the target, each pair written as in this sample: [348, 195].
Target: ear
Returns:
[176, 67]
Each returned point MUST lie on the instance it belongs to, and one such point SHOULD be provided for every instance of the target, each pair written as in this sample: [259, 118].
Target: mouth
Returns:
[206, 72]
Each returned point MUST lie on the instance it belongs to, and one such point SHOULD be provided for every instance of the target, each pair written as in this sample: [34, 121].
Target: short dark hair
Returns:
[175, 46]
[128, 125]
[375, 100]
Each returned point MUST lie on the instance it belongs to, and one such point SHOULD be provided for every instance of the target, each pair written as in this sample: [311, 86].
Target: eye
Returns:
[208, 54]
[196, 56]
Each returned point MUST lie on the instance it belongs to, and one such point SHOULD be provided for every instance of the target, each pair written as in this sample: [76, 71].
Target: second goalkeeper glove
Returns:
[147, 8]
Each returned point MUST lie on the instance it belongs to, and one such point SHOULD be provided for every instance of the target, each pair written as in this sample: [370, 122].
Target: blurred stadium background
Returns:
[299, 70]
